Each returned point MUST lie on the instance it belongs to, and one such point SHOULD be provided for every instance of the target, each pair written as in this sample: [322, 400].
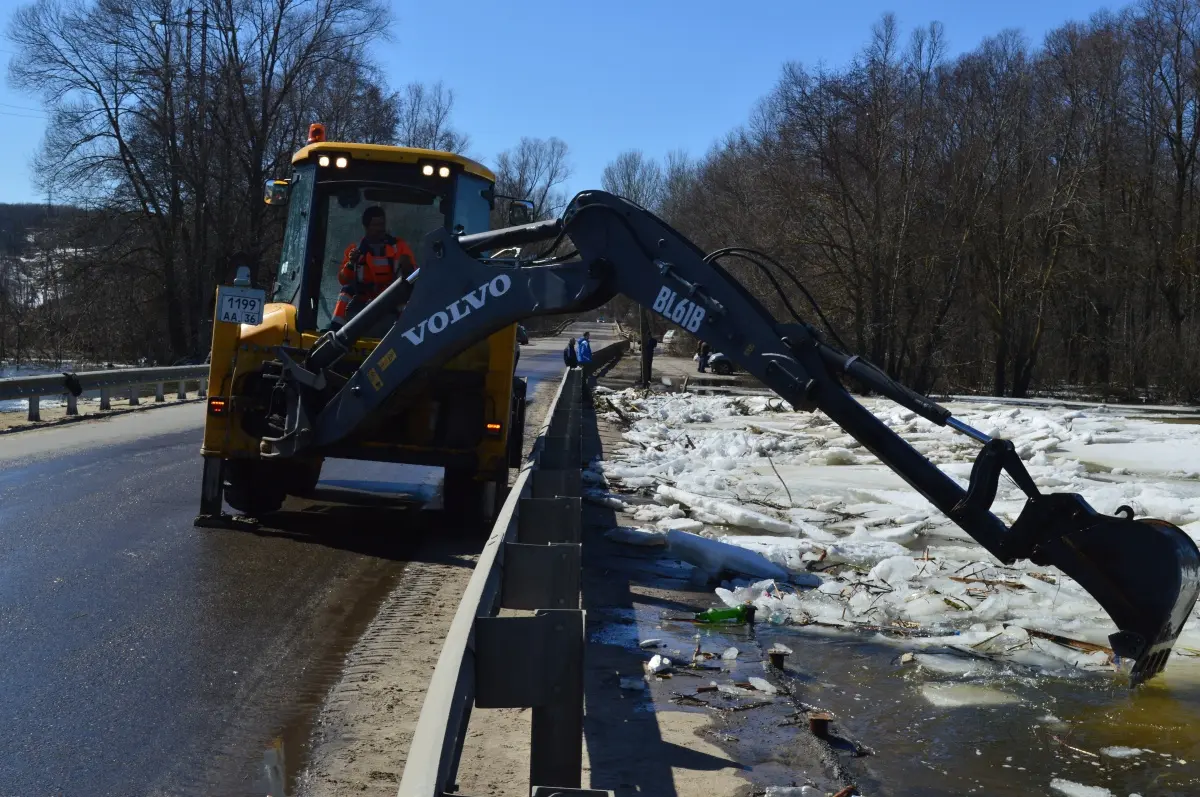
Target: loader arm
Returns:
[1145, 573]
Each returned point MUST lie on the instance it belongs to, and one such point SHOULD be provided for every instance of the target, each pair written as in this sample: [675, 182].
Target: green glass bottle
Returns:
[736, 614]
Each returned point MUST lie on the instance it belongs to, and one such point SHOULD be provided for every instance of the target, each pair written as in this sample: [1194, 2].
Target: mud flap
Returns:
[1145, 573]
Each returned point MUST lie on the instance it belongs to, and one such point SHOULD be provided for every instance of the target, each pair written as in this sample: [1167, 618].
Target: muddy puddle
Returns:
[936, 723]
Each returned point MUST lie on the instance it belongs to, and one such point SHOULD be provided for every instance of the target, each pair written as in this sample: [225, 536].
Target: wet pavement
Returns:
[141, 655]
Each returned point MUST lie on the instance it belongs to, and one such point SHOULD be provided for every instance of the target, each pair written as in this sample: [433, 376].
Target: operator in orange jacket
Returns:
[370, 266]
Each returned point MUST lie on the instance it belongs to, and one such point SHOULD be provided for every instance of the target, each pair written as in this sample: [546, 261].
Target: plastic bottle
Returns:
[737, 614]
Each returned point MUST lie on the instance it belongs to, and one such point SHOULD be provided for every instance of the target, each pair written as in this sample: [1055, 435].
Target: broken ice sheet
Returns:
[1073, 789]
[949, 695]
[718, 448]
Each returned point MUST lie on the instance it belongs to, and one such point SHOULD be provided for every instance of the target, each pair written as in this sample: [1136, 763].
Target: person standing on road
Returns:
[585, 348]
[569, 356]
[702, 355]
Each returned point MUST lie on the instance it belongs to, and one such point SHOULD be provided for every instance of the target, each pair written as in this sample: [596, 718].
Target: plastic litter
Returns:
[658, 664]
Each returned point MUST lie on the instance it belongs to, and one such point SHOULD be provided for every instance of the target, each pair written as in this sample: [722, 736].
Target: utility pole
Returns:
[647, 348]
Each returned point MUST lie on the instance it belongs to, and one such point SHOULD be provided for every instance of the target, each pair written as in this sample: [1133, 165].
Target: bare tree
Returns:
[424, 119]
[635, 177]
[535, 169]
[176, 114]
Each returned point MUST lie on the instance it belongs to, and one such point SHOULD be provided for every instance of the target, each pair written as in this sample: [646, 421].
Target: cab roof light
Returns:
[316, 132]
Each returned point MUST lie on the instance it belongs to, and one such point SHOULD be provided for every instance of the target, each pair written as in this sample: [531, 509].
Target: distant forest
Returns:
[1020, 218]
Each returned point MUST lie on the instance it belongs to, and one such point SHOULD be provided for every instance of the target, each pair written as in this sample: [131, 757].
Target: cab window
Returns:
[291, 258]
[411, 213]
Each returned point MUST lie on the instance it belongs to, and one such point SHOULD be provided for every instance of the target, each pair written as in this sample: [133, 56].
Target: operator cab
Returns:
[332, 184]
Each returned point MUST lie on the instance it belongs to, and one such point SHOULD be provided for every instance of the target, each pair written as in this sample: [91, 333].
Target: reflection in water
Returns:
[937, 729]
[274, 779]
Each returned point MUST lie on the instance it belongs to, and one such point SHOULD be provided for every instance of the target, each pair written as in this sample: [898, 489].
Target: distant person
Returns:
[585, 348]
[569, 356]
[702, 355]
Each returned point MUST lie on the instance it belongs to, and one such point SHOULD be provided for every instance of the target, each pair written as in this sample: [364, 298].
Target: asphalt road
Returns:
[140, 655]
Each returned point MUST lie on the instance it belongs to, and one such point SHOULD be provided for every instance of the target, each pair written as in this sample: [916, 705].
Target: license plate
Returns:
[240, 305]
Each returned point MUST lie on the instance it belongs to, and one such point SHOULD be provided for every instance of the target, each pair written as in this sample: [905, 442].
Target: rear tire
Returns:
[723, 368]
[256, 487]
[253, 487]
[473, 503]
[516, 424]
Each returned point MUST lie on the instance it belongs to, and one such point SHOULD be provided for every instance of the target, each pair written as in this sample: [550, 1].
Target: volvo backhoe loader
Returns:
[1144, 572]
[466, 415]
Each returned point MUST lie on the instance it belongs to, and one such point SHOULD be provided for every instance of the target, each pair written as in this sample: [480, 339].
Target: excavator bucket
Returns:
[1145, 573]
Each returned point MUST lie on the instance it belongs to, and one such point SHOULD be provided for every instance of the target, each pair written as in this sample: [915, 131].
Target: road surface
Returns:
[140, 655]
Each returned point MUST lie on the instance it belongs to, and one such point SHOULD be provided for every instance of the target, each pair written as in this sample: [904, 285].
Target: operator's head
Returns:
[374, 222]
[587, 335]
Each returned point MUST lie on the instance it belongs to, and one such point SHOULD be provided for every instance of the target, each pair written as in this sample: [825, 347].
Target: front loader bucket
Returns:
[1145, 573]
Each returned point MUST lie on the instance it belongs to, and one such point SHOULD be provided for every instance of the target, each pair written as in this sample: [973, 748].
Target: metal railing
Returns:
[73, 385]
[532, 561]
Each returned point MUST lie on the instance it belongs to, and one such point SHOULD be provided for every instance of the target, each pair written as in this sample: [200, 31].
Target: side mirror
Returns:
[520, 211]
[276, 192]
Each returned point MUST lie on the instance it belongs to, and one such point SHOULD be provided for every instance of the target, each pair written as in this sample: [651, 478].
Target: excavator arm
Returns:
[1145, 573]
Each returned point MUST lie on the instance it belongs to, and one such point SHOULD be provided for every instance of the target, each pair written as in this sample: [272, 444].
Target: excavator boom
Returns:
[1145, 573]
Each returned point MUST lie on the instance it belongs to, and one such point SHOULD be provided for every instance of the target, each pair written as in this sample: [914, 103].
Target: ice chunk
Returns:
[682, 524]
[652, 513]
[731, 513]
[1073, 789]
[1121, 752]
[734, 691]
[948, 664]
[957, 695]
[730, 653]
[895, 570]
[635, 536]
[650, 643]
[719, 557]
[835, 456]
[763, 685]
[863, 552]
[605, 499]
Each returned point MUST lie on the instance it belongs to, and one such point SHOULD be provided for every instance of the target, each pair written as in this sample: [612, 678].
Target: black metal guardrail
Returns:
[73, 385]
[532, 561]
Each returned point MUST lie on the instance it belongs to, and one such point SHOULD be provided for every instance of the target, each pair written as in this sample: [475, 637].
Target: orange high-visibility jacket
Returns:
[368, 268]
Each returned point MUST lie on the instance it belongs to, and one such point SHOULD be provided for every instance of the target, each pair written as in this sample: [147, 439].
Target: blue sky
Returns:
[615, 75]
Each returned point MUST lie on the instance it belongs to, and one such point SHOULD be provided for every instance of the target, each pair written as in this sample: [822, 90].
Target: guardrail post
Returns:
[72, 404]
[35, 409]
[182, 390]
[549, 520]
[133, 394]
[537, 662]
[105, 399]
[203, 388]
[160, 393]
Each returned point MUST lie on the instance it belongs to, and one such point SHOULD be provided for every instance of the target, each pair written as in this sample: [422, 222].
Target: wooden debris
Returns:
[1076, 749]
[1076, 644]
[991, 582]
